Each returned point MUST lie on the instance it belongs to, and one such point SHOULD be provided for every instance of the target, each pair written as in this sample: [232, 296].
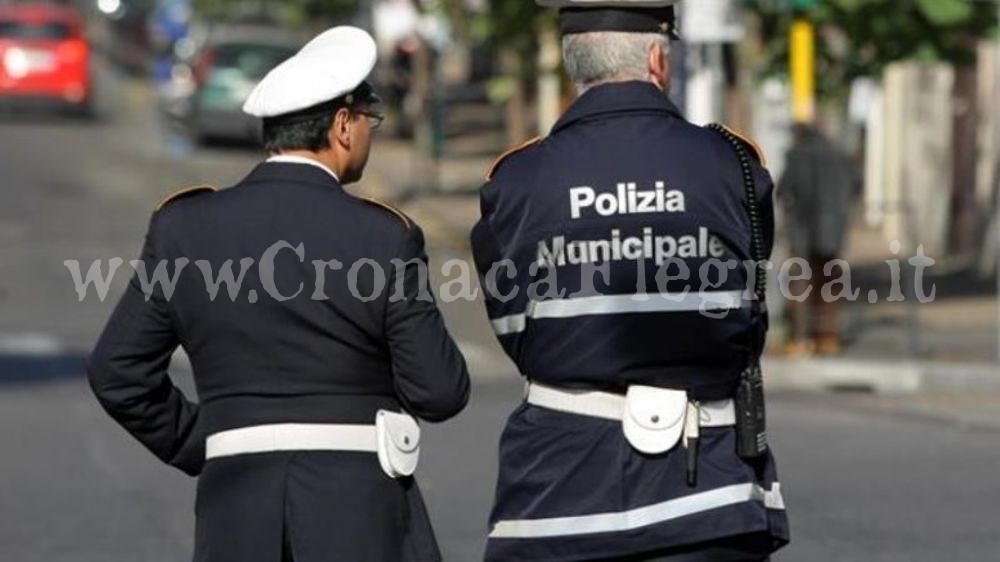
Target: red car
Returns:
[44, 55]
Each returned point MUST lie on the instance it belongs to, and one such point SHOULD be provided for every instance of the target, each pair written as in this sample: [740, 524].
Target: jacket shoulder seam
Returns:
[185, 192]
[508, 153]
[754, 147]
[392, 210]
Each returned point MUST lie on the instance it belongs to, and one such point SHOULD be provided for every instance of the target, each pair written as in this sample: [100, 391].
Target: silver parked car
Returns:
[224, 72]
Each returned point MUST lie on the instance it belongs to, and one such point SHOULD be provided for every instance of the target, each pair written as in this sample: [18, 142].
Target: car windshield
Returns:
[34, 30]
[254, 61]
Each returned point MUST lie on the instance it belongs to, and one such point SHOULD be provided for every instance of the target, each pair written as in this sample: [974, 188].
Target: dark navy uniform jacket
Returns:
[583, 244]
[289, 346]
[620, 134]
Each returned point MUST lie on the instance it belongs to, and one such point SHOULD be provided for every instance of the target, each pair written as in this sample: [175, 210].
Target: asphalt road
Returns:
[859, 486]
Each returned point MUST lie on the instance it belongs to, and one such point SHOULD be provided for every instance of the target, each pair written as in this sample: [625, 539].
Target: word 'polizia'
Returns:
[627, 200]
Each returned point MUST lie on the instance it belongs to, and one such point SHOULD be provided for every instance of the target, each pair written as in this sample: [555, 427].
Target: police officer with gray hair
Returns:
[617, 257]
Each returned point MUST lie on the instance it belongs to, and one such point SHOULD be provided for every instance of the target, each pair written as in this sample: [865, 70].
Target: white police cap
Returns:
[331, 66]
[636, 16]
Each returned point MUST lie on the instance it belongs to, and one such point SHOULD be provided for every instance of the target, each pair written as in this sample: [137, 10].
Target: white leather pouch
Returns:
[398, 438]
[654, 418]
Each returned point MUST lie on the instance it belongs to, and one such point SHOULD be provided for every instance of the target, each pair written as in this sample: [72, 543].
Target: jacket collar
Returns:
[291, 172]
[289, 159]
[617, 98]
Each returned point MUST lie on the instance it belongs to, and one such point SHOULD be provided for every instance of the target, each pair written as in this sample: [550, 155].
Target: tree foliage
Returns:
[860, 37]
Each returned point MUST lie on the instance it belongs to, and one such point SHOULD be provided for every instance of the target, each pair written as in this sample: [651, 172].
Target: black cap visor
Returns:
[634, 20]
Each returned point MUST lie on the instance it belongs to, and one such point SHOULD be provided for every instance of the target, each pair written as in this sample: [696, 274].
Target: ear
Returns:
[659, 66]
[340, 130]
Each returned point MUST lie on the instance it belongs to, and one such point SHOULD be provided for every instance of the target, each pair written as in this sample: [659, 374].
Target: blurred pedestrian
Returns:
[304, 437]
[817, 189]
[628, 446]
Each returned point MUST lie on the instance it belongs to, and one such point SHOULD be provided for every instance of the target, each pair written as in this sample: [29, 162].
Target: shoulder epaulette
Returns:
[754, 147]
[186, 192]
[399, 214]
[508, 153]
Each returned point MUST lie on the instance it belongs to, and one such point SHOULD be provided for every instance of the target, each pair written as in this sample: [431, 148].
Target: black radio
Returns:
[751, 426]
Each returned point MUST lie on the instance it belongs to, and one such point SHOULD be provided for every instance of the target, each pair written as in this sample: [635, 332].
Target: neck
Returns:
[327, 158]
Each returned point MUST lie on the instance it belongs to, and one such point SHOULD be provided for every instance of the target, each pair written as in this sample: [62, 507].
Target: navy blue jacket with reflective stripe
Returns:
[623, 183]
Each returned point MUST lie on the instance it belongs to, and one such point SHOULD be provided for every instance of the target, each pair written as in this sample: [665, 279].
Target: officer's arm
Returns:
[128, 373]
[503, 292]
[430, 375]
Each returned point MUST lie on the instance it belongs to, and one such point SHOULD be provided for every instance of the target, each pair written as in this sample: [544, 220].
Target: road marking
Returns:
[31, 344]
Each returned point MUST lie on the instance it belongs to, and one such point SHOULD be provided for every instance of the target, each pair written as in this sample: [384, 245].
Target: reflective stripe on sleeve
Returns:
[639, 517]
[691, 301]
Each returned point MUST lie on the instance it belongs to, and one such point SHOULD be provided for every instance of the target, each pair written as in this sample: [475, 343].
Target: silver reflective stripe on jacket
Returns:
[639, 517]
[691, 301]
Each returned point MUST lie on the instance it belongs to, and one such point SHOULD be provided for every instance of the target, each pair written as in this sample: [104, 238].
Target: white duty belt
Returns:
[394, 437]
[653, 419]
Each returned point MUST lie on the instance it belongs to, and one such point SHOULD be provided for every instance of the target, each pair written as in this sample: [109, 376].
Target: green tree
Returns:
[860, 37]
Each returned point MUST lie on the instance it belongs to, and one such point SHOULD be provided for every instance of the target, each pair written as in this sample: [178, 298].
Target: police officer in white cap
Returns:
[641, 434]
[313, 363]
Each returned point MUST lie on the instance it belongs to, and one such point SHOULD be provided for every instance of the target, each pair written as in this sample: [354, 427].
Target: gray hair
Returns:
[599, 57]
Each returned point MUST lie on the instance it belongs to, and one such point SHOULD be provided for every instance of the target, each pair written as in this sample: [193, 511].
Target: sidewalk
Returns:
[967, 412]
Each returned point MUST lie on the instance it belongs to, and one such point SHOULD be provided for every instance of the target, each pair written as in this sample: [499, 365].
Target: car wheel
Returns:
[199, 137]
[83, 110]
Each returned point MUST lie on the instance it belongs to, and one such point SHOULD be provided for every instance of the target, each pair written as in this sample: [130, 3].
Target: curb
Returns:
[965, 419]
[888, 377]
